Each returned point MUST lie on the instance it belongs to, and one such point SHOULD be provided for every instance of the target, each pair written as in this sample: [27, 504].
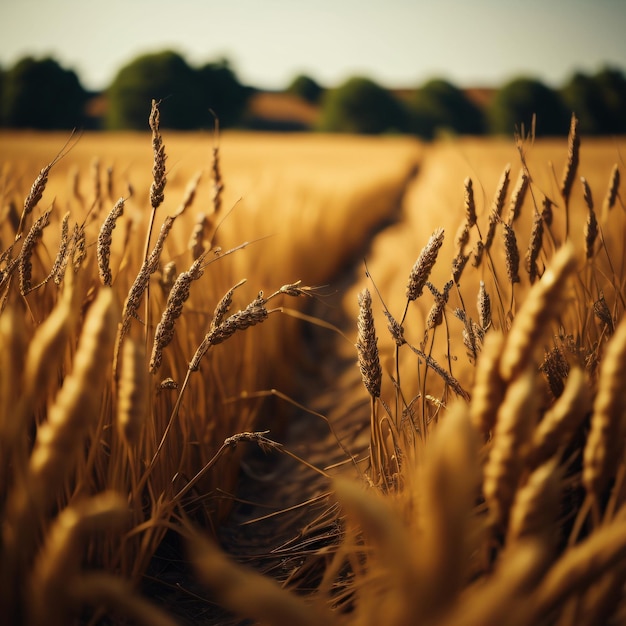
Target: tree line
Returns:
[41, 94]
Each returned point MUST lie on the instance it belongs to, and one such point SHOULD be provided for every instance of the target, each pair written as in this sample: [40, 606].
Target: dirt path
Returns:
[333, 389]
[283, 515]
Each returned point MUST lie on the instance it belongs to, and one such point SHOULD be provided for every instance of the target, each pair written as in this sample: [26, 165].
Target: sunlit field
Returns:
[309, 379]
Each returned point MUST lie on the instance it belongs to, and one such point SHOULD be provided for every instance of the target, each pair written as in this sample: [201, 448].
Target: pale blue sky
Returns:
[400, 43]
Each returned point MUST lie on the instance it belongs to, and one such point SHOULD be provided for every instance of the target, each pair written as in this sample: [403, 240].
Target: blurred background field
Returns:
[328, 150]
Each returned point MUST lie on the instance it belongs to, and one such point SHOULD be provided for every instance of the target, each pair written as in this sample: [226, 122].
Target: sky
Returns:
[398, 43]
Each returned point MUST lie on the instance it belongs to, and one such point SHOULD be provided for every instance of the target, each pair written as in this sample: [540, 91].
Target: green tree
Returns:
[160, 76]
[582, 96]
[220, 91]
[306, 88]
[516, 103]
[612, 86]
[440, 106]
[41, 94]
[361, 106]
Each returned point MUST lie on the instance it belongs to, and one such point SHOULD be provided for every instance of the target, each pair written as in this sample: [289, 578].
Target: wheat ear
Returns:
[573, 156]
[79, 250]
[105, 239]
[511, 254]
[367, 346]
[109, 179]
[36, 191]
[133, 392]
[495, 216]
[458, 265]
[536, 507]
[560, 422]
[190, 194]
[603, 313]
[58, 441]
[197, 242]
[45, 353]
[488, 389]
[168, 277]
[462, 237]
[477, 253]
[483, 304]
[218, 183]
[518, 195]
[25, 262]
[591, 225]
[139, 286]
[505, 597]
[604, 442]
[423, 266]
[435, 315]
[57, 271]
[77, 404]
[543, 302]
[255, 313]
[602, 598]
[469, 203]
[534, 247]
[515, 421]
[613, 189]
[159, 178]
[13, 343]
[580, 566]
[60, 558]
[178, 295]
[450, 483]
[473, 334]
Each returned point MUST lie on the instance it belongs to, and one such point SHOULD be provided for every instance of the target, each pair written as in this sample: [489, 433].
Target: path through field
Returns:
[286, 519]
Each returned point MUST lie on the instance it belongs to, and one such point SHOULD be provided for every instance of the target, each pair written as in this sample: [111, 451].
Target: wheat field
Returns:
[311, 379]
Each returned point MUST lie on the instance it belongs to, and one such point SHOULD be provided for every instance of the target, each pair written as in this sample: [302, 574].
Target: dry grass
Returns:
[473, 470]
